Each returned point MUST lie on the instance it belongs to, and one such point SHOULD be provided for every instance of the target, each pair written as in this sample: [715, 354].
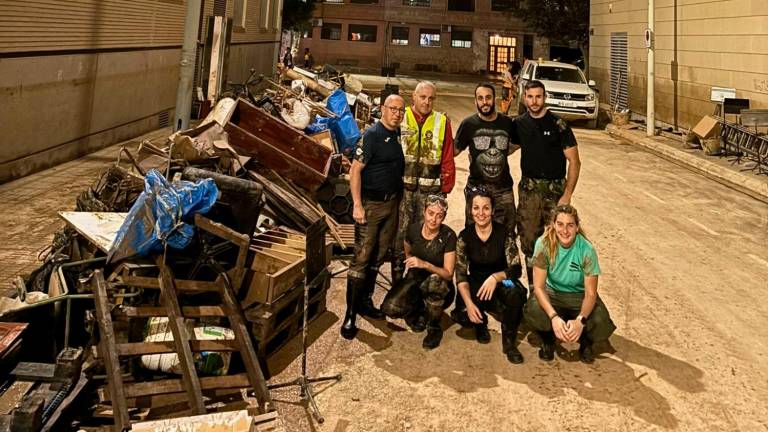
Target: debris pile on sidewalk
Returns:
[183, 267]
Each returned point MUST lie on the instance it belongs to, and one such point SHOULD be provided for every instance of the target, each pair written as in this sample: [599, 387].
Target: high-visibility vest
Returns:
[423, 150]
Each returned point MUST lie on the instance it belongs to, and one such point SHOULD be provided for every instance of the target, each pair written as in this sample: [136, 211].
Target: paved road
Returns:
[685, 270]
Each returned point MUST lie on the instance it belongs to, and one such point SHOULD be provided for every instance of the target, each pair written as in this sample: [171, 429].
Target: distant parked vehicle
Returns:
[569, 94]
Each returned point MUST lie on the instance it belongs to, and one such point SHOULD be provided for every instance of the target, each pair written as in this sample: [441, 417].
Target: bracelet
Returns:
[553, 316]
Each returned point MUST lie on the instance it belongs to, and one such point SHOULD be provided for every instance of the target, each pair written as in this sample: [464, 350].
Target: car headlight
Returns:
[589, 97]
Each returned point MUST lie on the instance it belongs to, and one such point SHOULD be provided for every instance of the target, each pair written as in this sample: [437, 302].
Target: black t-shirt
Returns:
[382, 155]
[489, 143]
[433, 251]
[542, 142]
[480, 259]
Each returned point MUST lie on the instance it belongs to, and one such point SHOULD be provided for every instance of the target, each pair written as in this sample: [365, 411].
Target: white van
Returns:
[569, 94]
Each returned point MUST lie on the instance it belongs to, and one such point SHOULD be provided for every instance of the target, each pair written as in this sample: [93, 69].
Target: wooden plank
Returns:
[181, 338]
[181, 285]
[13, 395]
[108, 351]
[232, 421]
[31, 371]
[145, 348]
[247, 350]
[99, 228]
[127, 312]
[148, 388]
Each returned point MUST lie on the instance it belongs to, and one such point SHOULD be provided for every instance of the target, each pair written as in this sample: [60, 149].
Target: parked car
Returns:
[569, 94]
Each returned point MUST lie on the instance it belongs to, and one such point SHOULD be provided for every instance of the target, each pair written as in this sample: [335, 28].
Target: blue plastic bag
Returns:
[158, 216]
[343, 128]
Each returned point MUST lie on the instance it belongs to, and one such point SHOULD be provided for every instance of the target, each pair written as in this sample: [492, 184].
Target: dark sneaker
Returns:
[482, 335]
[547, 351]
[514, 356]
[585, 353]
[433, 338]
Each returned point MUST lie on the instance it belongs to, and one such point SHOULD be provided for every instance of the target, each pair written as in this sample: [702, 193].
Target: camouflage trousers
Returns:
[411, 212]
[504, 206]
[418, 290]
[538, 198]
[374, 238]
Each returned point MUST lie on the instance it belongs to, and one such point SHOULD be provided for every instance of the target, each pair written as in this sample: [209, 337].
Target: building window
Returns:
[330, 31]
[461, 5]
[399, 36]
[461, 38]
[504, 5]
[424, 3]
[429, 37]
[362, 33]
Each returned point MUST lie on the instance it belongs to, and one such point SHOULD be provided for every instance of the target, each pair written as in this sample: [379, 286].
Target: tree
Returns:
[297, 14]
[566, 21]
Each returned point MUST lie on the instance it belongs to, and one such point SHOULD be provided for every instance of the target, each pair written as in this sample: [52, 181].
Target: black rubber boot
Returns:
[397, 272]
[509, 345]
[481, 333]
[547, 350]
[365, 299]
[434, 331]
[348, 327]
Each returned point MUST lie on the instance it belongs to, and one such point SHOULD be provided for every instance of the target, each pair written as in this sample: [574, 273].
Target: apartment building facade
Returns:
[456, 36]
[79, 76]
[698, 45]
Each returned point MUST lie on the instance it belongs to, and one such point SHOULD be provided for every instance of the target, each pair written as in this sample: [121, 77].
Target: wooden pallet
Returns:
[267, 319]
[182, 344]
[291, 327]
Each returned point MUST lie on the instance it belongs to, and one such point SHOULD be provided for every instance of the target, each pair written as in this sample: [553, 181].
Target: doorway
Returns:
[501, 49]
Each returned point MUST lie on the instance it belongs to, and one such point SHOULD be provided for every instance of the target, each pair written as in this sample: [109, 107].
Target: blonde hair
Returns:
[549, 238]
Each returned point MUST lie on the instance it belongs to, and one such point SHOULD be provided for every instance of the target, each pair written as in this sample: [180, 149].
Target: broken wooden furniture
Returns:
[275, 285]
[226, 285]
[278, 146]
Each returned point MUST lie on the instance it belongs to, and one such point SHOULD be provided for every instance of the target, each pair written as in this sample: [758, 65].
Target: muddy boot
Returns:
[547, 350]
[434, 331]
[586, 355]
[481, 333]
[509, 345]
[459, 313]
[397, 271]
[416, 320]
[365, 299]
[348, 328]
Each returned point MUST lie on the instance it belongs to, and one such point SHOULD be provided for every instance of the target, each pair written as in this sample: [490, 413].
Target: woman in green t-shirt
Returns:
[565, 272]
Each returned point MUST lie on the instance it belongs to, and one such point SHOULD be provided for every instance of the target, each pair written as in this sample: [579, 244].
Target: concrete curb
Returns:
[741, 182]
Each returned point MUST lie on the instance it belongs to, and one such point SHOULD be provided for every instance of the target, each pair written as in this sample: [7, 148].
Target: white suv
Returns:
[569, 94]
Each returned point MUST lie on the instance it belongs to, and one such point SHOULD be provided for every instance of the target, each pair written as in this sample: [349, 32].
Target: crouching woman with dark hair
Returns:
[425, 291]
[487, 269]
[565, 272]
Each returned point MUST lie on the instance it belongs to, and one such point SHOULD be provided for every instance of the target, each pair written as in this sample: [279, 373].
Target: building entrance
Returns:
[501, 49]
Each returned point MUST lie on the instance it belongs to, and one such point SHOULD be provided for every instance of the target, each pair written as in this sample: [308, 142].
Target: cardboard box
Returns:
[707, 127]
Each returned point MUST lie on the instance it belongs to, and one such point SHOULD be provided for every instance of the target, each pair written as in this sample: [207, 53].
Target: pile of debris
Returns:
[183, 267]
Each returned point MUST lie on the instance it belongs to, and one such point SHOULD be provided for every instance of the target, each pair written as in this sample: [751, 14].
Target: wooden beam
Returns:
[164, 347]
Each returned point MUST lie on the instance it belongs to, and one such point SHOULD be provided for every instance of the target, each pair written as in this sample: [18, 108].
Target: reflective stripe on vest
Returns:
[423, 150]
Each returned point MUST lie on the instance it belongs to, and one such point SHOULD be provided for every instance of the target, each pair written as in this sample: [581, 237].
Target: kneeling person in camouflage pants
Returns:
[430, 248]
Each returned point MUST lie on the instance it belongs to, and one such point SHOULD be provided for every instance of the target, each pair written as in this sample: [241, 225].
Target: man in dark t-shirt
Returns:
[550, 166]
[487, 135]
[376, 184]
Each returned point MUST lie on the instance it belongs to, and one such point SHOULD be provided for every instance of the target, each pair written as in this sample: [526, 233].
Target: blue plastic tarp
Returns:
[161, 214]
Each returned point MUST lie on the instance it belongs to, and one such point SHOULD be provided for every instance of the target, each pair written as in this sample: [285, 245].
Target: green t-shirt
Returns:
[570, 266]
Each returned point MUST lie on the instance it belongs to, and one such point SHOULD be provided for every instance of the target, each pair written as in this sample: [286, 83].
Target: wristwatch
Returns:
[583, 319]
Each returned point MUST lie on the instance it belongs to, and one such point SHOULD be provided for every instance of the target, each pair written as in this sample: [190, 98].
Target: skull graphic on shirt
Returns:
[492, 146]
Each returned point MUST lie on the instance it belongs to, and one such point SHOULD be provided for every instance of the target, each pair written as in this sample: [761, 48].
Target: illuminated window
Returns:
[429, 37]
[361, 33]
[331, 31]
[461, 38]
[399, 36]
